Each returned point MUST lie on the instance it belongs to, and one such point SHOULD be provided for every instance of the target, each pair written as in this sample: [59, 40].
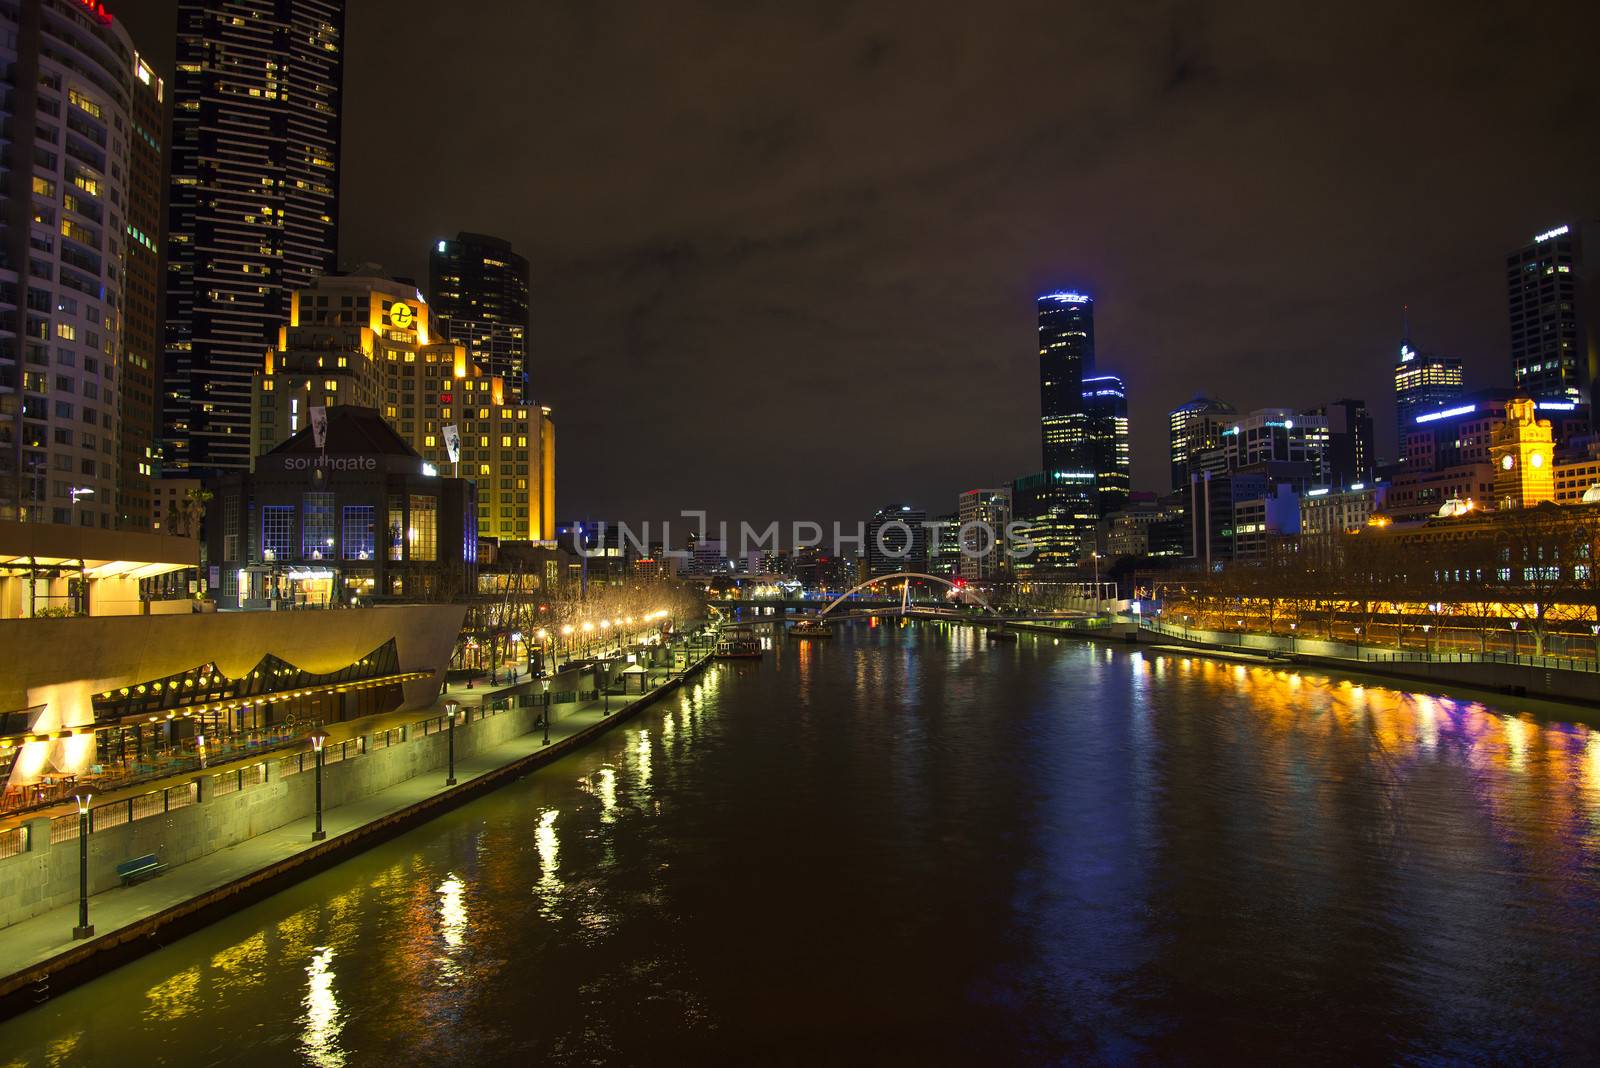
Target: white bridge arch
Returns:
[903, 577]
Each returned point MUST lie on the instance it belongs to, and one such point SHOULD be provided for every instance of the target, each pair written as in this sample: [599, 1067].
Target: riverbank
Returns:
[38, 957]
[1479, 679]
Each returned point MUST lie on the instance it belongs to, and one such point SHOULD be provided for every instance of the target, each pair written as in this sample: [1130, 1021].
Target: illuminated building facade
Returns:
[1279, 435]
[1059, 517]
[1522, 452]
[72, 94]
[1348, 454]
[478, 288]
[368, 341]
[1105, 404]
[985, 515]
[897, 540]
[1423, 382]
[1550, 291]
[361, 518]
[1194, 428]
[142, 340]
[254, 206]
[1066, 357]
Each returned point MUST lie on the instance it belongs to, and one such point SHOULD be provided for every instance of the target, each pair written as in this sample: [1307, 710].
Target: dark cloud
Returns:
[784, 254]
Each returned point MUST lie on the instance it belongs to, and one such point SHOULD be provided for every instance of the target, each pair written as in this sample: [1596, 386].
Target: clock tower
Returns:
[1523, 451]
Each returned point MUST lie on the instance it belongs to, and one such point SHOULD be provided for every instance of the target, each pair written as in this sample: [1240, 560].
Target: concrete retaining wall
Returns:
[46, 876]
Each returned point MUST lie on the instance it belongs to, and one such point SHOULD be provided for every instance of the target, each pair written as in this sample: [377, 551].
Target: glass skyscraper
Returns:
[1105, 404]
[1551, 292]
[254, 210]
[478, 289]
[1066, 357]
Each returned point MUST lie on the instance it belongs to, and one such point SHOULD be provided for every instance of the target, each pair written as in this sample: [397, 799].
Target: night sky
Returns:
[784, 255]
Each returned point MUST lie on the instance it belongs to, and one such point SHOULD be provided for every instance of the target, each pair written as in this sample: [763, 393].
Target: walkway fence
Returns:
[1270, 643]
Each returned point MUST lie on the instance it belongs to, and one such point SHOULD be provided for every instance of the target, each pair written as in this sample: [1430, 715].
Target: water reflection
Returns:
[323, 1021]
[1079, 853]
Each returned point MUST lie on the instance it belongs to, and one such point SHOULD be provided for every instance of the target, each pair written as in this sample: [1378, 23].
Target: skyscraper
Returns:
[1423, 382]
[1193, 428]
[1066, 357]
[897, 540]
[1105, 403]
[478, 288]
[1550, 288]
[1348, 456]
[142, 309]
[985, 516]
[254, 208]
[69, 207]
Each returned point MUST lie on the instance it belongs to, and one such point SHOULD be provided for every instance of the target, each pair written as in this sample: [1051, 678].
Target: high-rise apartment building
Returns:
[1105, 405]
[985, 516]
[1551, 294]
[478, 288]
[142, 340]
[71, 199]
[367, 341]
[1193, 428]
[254, 206]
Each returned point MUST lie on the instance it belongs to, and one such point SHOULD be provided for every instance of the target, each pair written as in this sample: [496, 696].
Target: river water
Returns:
[908, 845]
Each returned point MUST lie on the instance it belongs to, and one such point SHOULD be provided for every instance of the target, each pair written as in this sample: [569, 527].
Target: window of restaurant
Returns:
[359, 533]
[316, 526]
[277, 531]
[423, 533]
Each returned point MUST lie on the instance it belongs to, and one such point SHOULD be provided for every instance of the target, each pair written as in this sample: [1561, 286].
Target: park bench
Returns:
[131, 871]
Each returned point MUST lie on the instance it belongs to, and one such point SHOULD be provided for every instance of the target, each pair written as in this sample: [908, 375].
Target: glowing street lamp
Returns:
[1516, 646]
[319, 738]
[1358, 641]
[547, 710]
[75, 492]
[450, 710]
[85, 929]
[1292, 628]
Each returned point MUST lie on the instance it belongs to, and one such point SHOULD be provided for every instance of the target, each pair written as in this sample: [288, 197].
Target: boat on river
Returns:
[808, 628]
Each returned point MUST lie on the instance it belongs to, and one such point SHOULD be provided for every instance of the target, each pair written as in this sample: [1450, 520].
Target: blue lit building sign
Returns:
[1068, 298]
[1465, 409]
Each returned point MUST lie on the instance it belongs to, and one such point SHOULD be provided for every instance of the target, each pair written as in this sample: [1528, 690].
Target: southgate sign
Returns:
[330, 463]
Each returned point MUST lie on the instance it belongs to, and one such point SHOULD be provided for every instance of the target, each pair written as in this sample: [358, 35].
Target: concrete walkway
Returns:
[27, 945]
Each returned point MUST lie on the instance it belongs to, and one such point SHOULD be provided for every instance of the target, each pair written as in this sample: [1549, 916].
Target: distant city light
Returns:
[1465, 409]
[440, 246]
[1548, 234]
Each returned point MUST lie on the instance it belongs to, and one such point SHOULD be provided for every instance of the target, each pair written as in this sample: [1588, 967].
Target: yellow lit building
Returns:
[365, 340]
[1522, 450]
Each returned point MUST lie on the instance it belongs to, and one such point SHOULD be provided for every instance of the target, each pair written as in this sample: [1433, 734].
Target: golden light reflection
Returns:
[452, 925]
[549, 884]
[242, 965]
[643, 750]
[175, 997]
[606, 790]
[323, 1020]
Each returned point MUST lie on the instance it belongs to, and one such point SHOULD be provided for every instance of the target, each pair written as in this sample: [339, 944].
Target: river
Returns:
[908, 845]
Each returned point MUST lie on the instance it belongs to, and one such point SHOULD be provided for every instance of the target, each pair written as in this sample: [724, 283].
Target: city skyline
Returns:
[649, 284]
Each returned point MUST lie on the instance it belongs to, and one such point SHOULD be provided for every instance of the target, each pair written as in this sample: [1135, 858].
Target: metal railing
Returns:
[1277, 643]
[13, 840]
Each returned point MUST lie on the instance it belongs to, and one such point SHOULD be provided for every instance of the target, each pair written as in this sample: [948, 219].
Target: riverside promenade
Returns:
[39, 958]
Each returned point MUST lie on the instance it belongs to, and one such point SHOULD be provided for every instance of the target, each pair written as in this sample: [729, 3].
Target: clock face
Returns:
[400, 315]
[1536, 460]
[1508, 462]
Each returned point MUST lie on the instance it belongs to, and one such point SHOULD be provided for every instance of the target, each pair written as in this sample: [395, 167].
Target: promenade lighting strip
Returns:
[220, 707]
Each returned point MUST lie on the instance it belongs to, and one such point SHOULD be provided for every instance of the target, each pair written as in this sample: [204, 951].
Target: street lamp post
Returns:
[319, 738]
[85, 929]
[547, 710]
[1358, 641]
[516, 639]
[1427, 639]
[1241, 633]
[1594, 628]
[450, 709]
[1516, 646]
[1292, 628]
